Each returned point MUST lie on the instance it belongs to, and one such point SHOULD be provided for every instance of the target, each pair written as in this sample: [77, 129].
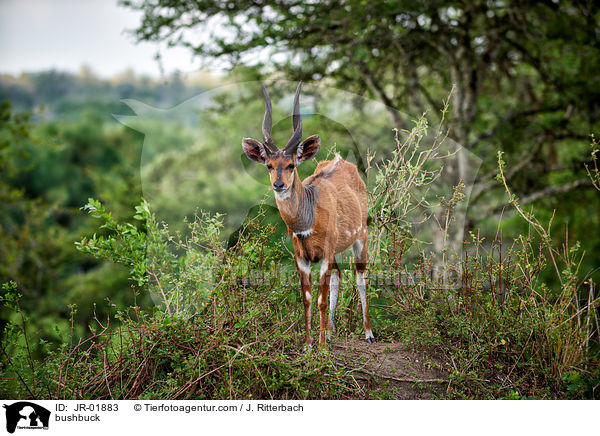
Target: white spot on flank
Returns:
[303, 265]
[348, 232]
[324, 267]
[281, 196]
[304, 233]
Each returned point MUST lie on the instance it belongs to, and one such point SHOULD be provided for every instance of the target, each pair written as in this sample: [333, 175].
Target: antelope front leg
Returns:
[304, 273]
[322, 301]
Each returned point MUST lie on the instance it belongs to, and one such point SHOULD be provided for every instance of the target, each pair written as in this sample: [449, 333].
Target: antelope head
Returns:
[281, 163]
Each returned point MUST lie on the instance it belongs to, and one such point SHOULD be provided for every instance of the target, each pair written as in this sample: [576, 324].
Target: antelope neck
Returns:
[298, 210]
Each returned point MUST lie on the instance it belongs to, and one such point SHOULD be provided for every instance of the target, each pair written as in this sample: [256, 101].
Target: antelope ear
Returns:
[308, 148]
[254, 150]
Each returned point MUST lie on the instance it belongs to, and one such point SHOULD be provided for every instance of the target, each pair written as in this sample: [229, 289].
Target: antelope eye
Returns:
[269, 166]
[290, 167]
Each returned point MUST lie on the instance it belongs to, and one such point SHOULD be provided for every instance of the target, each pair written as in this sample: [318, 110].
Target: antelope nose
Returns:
[278, 186]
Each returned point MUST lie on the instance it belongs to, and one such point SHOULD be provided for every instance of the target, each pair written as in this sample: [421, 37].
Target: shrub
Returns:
[227, 319]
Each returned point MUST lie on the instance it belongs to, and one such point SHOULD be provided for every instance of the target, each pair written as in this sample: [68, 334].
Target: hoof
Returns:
[370, 340]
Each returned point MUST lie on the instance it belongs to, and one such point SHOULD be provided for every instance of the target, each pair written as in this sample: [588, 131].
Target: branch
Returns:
[377, 89]
[433, 103]
[530, 218]
[489, 180]
[405, 380]
[550, 191]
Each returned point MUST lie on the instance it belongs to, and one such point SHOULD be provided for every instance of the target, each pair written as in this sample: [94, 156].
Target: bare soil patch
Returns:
[404, 372]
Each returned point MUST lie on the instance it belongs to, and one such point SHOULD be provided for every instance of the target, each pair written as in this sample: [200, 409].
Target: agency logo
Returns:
[26, 415]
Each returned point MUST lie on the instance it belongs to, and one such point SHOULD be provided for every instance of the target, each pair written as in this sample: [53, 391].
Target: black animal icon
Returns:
[29, 412]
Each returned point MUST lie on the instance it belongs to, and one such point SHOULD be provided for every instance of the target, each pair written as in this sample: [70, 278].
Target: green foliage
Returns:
[22, 375]
[227, 319]
[524, 77]
[507, 332]
[179, 282]
[66, 96]
[235, 342]
[46, 169]
[582, 384]
[125, 244]
[516, 316]
[592, 169]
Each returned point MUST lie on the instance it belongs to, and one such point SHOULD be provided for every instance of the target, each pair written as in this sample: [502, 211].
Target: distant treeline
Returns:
[60, 94]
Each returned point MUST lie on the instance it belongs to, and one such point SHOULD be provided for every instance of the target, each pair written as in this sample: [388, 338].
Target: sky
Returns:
[66, 34]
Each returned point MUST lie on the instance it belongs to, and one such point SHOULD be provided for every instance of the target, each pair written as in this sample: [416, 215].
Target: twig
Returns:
[407, 380]
[106, 377]
[9, 360]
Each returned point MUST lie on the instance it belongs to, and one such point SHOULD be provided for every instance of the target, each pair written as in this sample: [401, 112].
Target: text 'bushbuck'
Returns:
[325, 214]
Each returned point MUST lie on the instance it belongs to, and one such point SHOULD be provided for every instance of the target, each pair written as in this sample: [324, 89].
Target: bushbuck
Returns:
[325, 214]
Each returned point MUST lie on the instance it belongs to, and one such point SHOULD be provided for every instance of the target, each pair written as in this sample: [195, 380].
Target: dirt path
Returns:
[405, 374]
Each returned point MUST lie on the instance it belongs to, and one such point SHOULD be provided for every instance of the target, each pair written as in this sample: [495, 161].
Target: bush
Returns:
[226, 324]
[230, 337]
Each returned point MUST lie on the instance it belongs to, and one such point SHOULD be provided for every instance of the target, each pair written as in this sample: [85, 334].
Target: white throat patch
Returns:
[281, 196]
[303, 234]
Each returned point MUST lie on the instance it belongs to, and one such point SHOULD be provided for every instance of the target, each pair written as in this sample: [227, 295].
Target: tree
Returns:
[525, 74]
